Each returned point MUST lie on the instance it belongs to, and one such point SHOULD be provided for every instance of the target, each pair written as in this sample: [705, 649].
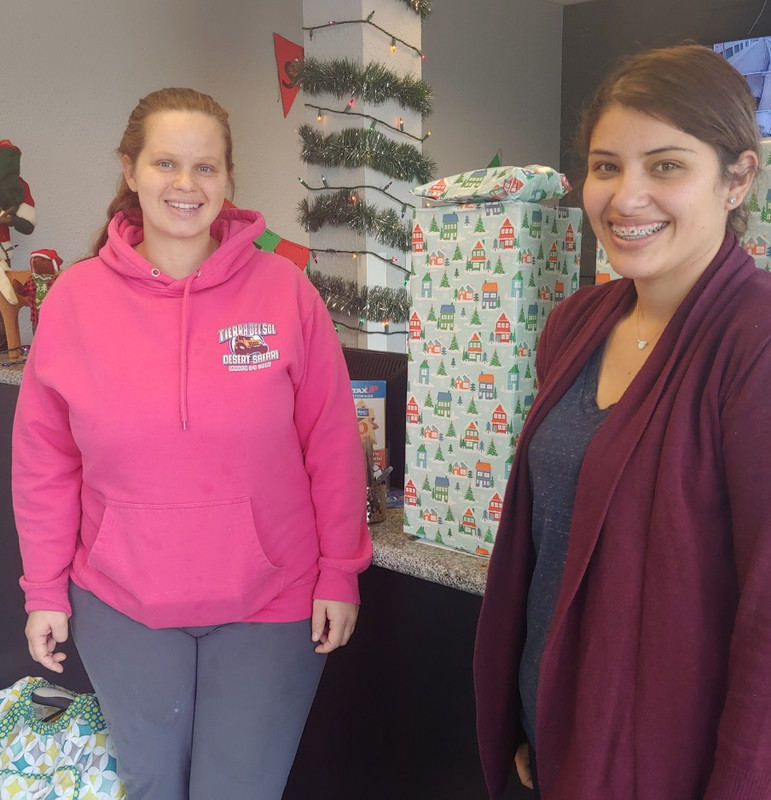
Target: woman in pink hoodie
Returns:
[187, 473]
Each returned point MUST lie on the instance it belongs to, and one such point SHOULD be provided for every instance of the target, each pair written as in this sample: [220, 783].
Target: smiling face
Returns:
[180, 178]
[656, 197]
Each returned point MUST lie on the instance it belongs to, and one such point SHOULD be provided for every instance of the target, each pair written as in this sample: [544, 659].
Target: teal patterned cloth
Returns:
[67, 758]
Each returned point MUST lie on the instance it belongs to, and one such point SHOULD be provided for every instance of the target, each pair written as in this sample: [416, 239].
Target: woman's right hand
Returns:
[46, 629]
[522, 763]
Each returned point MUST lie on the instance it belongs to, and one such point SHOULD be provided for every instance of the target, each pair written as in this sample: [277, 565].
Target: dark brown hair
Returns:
[694, 89]
[133, 141]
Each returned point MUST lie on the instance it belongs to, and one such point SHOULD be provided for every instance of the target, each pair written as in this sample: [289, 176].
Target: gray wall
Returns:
[73, 69]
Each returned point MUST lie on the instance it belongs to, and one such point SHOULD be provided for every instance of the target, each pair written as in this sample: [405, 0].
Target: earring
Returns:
[731, 200]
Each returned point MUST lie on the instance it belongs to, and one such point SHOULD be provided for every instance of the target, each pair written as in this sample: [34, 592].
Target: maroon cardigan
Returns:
[655, 681]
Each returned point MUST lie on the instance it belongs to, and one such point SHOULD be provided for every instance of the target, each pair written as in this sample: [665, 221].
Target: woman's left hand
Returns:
[332, 624]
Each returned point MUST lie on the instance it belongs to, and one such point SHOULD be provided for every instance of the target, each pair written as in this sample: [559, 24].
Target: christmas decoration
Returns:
[373, 83]
[368, 21]
[273, 243]
[367, 303]
[45, 266]
[288, 57]
[485, 275]
[344, 208]
[321, 110]
[17, 210]
[421, 7]
[357, 147]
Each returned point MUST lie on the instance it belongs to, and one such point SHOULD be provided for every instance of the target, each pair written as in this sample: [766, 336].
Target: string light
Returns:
[303, 183]
[393, 262]
[367, 21]
[361, 186]
[373, 123]
[401, 124]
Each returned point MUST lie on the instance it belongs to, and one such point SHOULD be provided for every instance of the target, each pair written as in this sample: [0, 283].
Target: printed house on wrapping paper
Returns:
[416, 327]
[438, 189]
[449, 226]
[410, 494]
[438, 259]
[484, 473]
[417, 239]
[442, 489]
[486, 387]
[503, 329]
[489, 295]
[474, 351]
[426, 287]
[478, 258]
[473, 340]
[506, 236]
[495, 508]
[500, 422]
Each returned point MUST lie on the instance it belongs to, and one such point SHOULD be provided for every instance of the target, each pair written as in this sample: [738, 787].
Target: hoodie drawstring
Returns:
[183, 351]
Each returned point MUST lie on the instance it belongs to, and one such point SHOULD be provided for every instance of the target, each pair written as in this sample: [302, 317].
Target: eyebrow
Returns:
[657, 151]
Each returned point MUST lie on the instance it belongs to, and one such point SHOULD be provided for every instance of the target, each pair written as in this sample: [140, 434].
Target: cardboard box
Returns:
[484, 277]
[369, 398]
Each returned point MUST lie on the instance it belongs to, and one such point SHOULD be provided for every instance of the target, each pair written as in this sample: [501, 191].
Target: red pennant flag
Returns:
[288, 54]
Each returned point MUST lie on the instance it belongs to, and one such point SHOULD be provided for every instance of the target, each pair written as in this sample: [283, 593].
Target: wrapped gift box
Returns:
[757, 238]
[484, 277]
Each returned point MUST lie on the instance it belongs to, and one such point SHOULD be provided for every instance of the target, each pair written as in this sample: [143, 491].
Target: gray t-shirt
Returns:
[555, 456]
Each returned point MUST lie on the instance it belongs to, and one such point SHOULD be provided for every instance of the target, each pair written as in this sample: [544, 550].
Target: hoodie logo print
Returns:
[247, 347]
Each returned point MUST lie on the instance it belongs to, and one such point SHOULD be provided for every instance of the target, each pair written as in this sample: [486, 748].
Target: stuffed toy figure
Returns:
[17, 210]
[44, 267]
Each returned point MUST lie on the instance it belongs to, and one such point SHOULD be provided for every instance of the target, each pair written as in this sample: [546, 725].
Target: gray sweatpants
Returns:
[198, 713]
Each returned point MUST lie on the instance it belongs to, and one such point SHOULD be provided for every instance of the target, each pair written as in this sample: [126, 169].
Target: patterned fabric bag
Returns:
[51, 754]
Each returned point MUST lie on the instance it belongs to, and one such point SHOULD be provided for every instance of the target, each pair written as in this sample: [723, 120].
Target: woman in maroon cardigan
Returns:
[624, 641]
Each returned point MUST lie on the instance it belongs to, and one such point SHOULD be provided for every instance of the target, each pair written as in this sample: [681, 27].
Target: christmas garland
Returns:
[371, 303]
[344, 209]
[373, 83]
[421, 7]
[365, 147]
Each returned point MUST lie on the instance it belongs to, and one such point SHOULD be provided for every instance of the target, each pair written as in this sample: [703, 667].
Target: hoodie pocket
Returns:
[202, 559]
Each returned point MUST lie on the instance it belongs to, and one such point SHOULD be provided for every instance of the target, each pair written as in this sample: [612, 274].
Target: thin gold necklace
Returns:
[643, 343]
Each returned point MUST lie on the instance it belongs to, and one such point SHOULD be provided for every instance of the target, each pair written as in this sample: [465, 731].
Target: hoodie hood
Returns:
[235, 229]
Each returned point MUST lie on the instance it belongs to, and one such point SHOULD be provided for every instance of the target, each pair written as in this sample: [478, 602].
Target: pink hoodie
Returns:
[187, 450]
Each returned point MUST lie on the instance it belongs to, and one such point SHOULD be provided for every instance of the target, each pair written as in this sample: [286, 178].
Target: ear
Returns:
[743, 173]
[128, 172]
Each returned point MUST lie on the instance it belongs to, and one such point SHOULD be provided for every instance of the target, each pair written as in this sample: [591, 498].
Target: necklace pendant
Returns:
[641, 344]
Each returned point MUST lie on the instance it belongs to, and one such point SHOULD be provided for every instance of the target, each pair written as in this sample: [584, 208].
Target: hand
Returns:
[522, 763]
[45, 629]
[6, 215]
[332, 624]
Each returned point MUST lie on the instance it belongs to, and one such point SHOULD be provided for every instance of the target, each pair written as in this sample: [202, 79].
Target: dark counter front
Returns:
[394, 714]
[15, 661]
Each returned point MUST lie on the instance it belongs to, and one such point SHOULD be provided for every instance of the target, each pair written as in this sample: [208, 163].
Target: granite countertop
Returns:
[392, 548]
[11, 374]
[411, 555]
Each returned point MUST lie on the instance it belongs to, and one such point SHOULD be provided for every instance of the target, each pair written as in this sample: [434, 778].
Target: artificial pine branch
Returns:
[421, 7]
[341, 209]
[372, 303]
[373, 83]
[365, 147]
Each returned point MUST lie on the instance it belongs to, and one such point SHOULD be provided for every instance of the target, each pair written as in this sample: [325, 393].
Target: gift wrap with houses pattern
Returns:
[484, 277]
